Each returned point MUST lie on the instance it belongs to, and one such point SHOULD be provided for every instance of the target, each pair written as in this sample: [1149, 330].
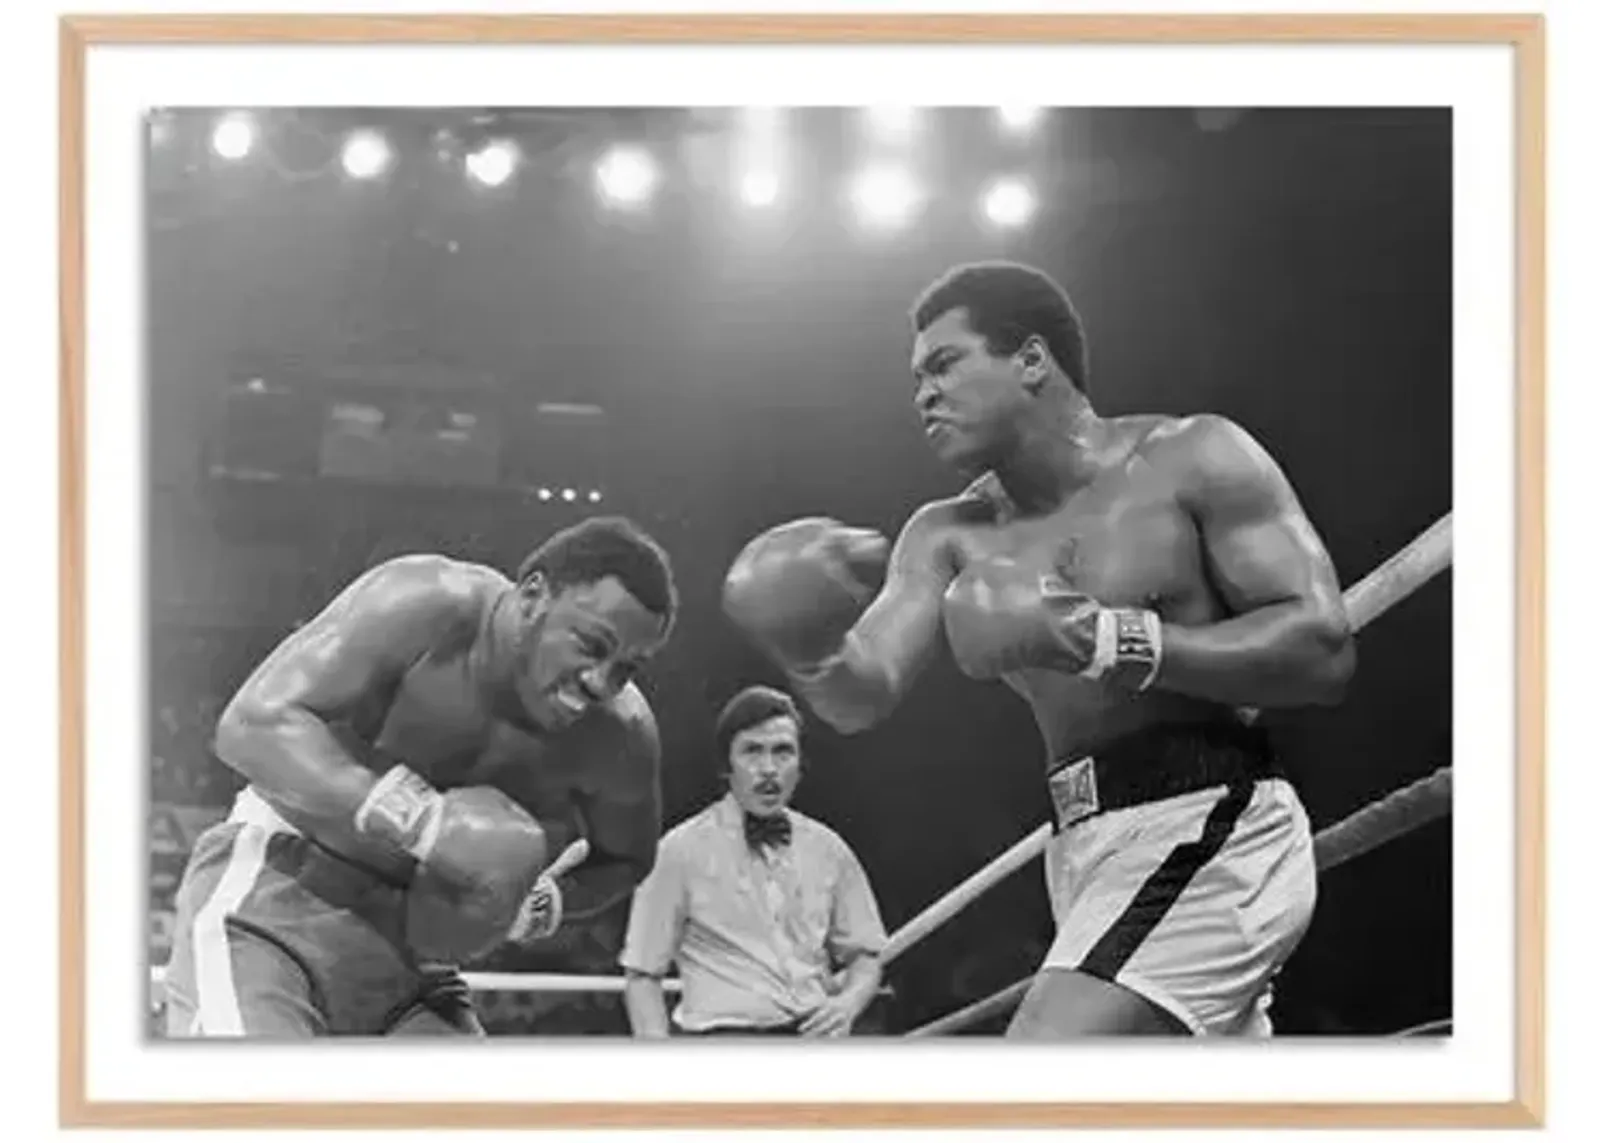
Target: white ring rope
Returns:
[1398, 813]
[1408, 808]
[1384, 820]
[1385, 586]
[507, 982]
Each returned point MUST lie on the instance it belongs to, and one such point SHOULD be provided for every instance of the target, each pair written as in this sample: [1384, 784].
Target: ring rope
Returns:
[1383, 587]
[1407, 809]
[1404, 810]
[509, 982]
[1390, 817]
[1388, 584]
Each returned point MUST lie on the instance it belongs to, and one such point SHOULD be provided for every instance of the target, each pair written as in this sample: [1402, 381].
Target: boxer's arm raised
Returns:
[1290, 642]
[895, 637]
[275, 730]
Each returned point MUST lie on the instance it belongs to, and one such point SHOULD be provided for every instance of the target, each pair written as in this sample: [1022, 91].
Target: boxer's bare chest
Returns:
[1127, 541]
[436, 721]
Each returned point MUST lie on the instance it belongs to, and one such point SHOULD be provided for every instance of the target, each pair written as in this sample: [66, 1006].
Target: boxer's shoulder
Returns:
[931, 538]
[459, 578]
[984, 501]
[439, 599]
[940, 519]
[1189, 443]
[432, 582]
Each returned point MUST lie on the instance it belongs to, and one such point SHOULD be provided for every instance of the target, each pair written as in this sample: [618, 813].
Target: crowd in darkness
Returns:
[189, 669]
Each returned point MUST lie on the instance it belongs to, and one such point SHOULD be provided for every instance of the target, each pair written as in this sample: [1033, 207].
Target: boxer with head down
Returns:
[1135, 579]
[417, 756]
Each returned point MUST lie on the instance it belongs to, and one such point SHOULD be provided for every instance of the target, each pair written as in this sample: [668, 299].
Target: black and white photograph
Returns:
[799, 572]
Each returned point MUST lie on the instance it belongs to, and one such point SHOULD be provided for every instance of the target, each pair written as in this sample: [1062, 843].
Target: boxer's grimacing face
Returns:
[968, 399]
[579, 646]
[764, 765]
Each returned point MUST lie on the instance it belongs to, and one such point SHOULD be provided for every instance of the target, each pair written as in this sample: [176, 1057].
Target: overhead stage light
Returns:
[493, 163]
[366, 155]
[1020, 120]
[759, 188]
[233, 136]
[626, 176]
[886, 196]
[1009, 202]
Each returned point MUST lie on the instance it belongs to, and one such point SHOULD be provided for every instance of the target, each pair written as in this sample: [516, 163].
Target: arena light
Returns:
[493, 163]
[594, 496]
[233, 136]
[893, 124]
[885, 196]
[366, 155]
[1020, 120]
[759, 188]
[569, 494]
[1009, 203]
[545, 494]
[626, 176]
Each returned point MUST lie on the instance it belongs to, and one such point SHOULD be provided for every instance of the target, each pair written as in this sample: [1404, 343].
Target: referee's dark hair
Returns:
[751, 707]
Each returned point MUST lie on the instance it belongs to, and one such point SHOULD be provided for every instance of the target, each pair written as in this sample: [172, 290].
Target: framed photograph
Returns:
[911, 534]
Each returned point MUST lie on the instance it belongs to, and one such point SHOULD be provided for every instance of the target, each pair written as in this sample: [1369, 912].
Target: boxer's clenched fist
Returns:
[796, 589]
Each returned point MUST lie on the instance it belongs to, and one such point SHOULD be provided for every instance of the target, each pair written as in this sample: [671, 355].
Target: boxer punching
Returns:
[417, 755]
[1135, 579]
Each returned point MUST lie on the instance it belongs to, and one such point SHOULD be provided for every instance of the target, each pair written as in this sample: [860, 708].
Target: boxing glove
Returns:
[1001, 615]
[796, 589]
[479, 856]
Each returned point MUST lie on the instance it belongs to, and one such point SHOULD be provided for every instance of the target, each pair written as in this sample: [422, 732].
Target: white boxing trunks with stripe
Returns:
[1193, 901]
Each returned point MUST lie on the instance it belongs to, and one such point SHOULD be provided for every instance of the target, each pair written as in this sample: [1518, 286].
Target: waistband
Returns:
[1157, 763]
[250, 808]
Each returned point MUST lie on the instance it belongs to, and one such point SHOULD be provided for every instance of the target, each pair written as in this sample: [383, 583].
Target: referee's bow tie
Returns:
[770, 830]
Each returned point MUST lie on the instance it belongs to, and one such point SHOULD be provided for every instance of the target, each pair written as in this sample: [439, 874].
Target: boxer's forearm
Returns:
[1288, 654]
[597, 885]
[852, 691]
[646, 1002]
[291, 755]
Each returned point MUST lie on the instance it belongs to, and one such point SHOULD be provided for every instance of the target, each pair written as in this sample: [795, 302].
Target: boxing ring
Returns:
[1383, 820]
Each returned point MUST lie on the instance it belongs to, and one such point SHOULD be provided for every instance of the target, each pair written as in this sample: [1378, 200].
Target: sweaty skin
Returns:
[1185, 516]
[426, 661]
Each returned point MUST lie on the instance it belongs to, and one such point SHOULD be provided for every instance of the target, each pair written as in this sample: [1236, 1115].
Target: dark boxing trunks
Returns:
[279, 937]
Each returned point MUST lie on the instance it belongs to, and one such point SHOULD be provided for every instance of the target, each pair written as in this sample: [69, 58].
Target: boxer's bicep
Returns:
[1260, 546]
[274, 731]
[901, 629]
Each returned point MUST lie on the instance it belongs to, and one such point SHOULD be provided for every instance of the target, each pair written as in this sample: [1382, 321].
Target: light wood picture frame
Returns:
[80, 35]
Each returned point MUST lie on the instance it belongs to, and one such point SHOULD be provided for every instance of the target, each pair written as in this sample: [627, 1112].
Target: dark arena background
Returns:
[456, 330]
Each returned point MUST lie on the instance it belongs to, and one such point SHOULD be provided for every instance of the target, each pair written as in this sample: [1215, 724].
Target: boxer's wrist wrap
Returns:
[403, 810]
[539, 915]
[1126, 637]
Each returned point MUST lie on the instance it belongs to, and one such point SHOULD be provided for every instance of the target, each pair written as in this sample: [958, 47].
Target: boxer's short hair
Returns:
[751, 707]
[602, 546]
[1007, 303]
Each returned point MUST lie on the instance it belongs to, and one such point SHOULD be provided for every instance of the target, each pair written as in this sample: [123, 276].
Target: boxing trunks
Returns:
[1181, 868]
[279, 937]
